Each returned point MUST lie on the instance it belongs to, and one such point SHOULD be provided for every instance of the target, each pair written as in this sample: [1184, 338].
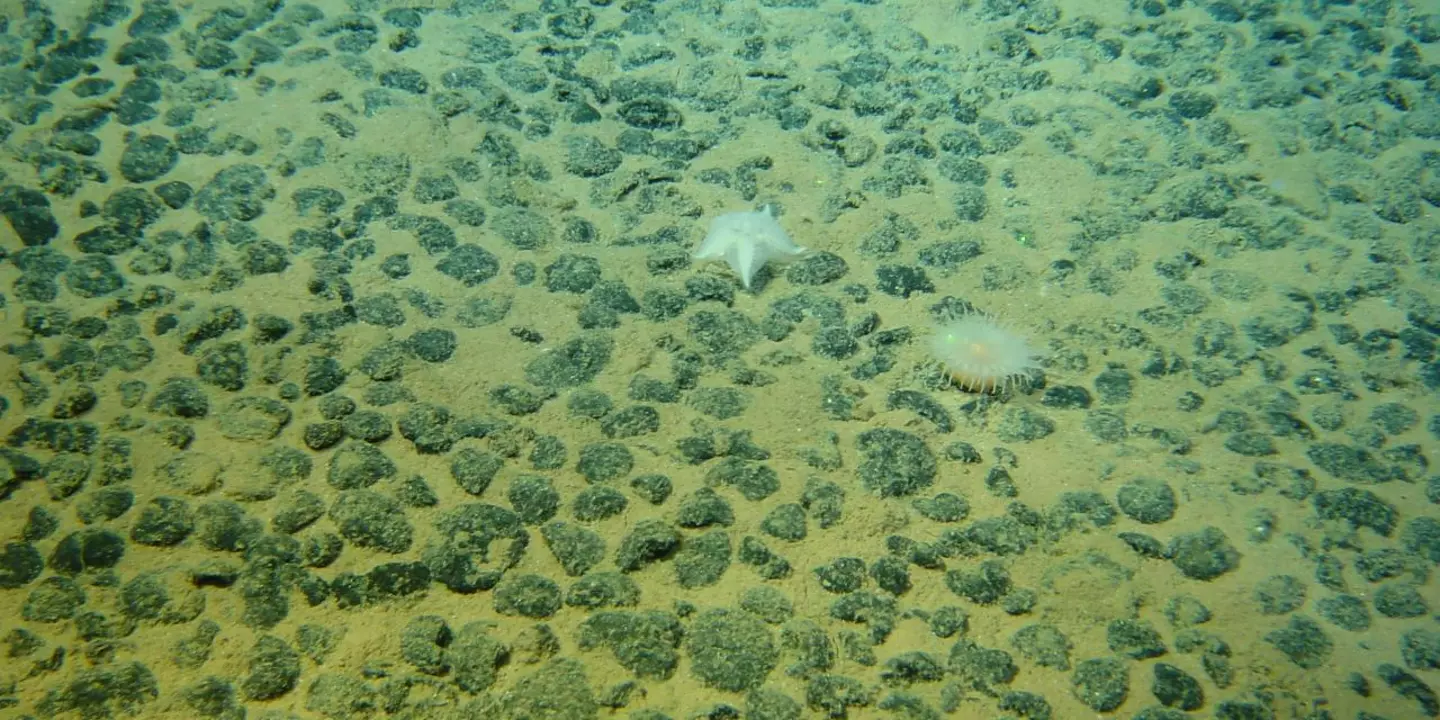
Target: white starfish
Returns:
[746, 241]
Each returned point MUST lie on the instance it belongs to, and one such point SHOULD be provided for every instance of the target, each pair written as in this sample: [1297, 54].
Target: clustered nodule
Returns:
[229, 293]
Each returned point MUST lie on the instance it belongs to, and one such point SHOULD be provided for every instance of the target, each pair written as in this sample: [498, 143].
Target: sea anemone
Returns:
[981, 355]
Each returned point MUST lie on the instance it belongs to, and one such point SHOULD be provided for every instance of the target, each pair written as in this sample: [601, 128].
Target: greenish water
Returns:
[357, 363]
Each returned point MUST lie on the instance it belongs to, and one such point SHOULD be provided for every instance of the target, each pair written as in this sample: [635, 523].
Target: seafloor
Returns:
[356, 366]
